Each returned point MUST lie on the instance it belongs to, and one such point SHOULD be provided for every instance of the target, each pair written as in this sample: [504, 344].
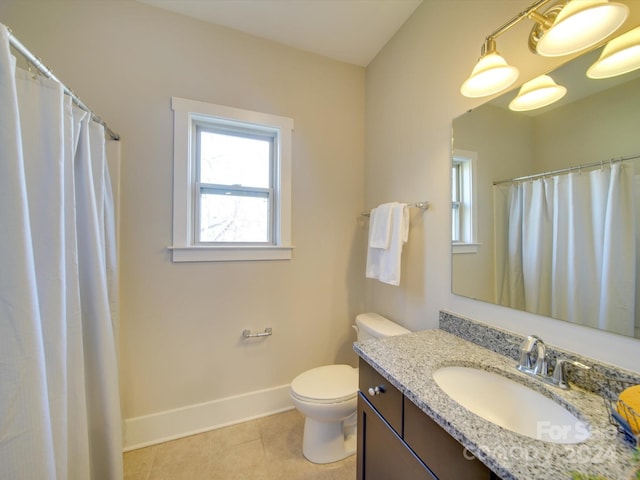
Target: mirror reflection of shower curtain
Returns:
[576, 264]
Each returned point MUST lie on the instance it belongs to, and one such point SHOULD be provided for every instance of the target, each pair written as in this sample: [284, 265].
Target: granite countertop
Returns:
[408, 361]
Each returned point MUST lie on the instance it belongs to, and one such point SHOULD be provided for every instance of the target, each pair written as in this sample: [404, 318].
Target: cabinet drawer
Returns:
[382, 455]
[388, 402]
[437, 449]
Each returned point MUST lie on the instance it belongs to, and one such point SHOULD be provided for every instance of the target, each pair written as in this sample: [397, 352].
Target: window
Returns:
[456, 201]
[232, 184]
[463, 202]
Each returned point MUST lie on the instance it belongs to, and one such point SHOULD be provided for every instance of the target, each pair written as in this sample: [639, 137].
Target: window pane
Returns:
[233, 218]
[455, 183]
[227, 159]
[455, 194]
[455, 223]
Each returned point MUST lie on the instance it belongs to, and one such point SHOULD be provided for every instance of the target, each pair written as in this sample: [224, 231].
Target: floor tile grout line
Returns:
[287, 428]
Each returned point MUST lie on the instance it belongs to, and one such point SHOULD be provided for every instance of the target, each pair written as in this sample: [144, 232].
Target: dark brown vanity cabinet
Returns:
[397, 440]
[382, 455]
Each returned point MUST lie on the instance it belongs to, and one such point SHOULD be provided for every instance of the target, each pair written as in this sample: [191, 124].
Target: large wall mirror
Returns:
[562, 241]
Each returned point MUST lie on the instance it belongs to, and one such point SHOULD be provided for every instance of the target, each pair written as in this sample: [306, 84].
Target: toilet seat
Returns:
[326, 385]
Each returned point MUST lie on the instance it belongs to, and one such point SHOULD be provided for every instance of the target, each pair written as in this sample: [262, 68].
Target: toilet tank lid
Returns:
[379, 326]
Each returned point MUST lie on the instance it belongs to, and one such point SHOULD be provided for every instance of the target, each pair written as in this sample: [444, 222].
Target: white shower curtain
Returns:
[576, 264]
[59, 401]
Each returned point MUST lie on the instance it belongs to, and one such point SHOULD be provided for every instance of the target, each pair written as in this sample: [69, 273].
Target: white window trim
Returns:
[183, 248]
[470, 243]
[459, 247]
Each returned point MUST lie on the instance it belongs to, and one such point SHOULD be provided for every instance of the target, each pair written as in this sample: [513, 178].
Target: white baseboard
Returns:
[182, 422]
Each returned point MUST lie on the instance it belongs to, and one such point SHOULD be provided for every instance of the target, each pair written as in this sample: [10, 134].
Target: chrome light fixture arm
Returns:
[567, 27]
[531, 12]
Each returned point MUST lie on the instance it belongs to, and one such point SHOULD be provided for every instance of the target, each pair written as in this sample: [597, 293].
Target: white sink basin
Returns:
[511, 405]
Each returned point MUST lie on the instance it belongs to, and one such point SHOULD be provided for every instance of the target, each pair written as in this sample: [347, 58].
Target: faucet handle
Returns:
[541, 366]
[559, 374]
[526, 363]
[529, 343]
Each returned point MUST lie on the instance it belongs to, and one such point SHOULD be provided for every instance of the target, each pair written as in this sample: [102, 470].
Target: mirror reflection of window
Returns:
[456, 201]
[463, 202]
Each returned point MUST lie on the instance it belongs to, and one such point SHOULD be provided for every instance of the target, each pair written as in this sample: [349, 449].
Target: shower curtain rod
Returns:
[46, 71]
[568, 169]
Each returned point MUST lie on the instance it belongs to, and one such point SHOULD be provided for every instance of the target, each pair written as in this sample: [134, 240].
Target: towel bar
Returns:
[267, 332]
[421, 205]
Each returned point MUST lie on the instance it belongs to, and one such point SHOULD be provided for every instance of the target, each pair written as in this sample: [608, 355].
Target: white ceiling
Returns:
[352, 31]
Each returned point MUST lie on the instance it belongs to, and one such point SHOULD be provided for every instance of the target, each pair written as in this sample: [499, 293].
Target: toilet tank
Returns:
[372, 325]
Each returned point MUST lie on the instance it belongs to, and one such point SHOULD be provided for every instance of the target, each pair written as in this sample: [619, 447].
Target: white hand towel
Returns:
[373, 262]
[379, 237]
[380, 226]
[390, 259]
[384, 264]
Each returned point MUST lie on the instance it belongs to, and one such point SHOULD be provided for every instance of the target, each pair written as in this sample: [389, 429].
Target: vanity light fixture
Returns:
[574, 26]
[537, 93]
[491, 74]
[568, 26]
[621, 55]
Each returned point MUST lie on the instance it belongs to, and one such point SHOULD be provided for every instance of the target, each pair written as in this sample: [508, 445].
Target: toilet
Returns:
[328, 398]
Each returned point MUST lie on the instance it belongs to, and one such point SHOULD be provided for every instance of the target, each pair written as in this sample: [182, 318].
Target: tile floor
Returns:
[269, 448]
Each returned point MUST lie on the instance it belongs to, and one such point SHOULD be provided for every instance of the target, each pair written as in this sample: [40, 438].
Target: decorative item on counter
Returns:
[628, 407]
[622, 400]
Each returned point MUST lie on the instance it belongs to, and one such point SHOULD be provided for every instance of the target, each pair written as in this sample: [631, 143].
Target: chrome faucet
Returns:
[559, 371]
[527, 364]
[538, 366]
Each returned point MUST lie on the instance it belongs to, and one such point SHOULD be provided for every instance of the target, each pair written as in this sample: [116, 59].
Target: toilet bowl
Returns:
[328, 398]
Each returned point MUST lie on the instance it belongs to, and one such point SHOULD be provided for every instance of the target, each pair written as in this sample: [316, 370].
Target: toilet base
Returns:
[328, 442]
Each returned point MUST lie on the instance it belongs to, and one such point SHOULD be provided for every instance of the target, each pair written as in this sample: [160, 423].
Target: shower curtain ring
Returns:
[32, 74]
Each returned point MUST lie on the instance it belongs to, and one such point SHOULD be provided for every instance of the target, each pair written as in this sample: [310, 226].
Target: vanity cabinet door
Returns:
[439, 450]
[387, 400]
[382, 455]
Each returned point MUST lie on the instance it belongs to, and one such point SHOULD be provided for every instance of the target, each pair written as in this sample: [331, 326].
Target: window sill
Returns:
[465, 248]
[230, 254]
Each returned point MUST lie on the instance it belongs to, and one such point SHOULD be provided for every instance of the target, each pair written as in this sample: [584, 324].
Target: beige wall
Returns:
[589, 137]
[513, 155]
[412, 97]
[182, 323]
